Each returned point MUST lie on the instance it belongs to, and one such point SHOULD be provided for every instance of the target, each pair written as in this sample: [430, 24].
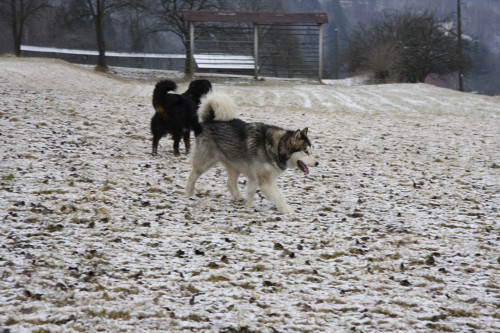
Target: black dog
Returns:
[177, 114]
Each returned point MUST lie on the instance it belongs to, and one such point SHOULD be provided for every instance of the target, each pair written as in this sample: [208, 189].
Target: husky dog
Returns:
[176, 114]
[261, 152]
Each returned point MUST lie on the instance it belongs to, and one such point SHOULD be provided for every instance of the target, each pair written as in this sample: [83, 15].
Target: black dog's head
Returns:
[197, 89]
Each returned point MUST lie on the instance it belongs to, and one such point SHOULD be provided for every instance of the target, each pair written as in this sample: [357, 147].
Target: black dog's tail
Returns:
[161, 89]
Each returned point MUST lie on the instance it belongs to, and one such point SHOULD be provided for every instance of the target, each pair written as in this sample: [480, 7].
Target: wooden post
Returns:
[337, 60]
[191, 49]
[460, 48]
[320, 51]
[256, 51]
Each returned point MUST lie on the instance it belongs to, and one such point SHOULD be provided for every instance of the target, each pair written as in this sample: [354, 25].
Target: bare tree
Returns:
[17, 13]
[99, 11]
[169, 18]
[408, 46]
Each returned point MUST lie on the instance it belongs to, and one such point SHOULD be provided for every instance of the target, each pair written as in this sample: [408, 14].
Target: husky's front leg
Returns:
[272, 192]
[251, 189]
[193, 177]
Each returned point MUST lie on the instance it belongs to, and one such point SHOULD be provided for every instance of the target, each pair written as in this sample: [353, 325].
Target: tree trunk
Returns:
[17, 29]
[17, 43]
[101, 45]
[187, 64]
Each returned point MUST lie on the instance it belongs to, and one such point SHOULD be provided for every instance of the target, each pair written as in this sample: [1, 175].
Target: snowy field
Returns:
[397, 230]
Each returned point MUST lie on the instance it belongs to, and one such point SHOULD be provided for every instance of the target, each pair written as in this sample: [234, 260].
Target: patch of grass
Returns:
[437, 317]
[332, 300]
[335, 255]
[403, 241]
[79, 220]
[460, 313]
[385, 312]
[152, 315]
[11, 321]
[8, 177]
[195, 317]
[404, 304]
[474, 326]
[349, 309]
[218, 278]
[377, 268]
[119, 314]
[439, 327]
[246, 285]
[113, 314]
[128, 291]
[154, 189]
[192, 289]
[63, 301]
[301, 271]
[258, 268]
[432, 278]
[95, 314]
[41, 330]
[54, 227]
[105, 296]
[416, 262]
[53, 191]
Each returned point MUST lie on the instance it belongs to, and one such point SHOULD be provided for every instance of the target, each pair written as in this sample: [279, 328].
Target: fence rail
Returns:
[95, 53]
[161, 61]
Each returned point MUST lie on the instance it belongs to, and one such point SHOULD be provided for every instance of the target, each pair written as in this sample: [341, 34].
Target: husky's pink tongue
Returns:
[301, 165]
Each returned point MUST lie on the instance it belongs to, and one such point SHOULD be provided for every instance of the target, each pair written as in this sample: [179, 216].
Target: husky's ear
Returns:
[304, 132]
[296, 136]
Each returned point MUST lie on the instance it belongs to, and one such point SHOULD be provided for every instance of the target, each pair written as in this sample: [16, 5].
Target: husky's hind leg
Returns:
[232, 182]
[202, 161]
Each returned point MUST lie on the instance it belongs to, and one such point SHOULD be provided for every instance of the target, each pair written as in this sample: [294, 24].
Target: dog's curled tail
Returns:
[161, 89]
[217, 106]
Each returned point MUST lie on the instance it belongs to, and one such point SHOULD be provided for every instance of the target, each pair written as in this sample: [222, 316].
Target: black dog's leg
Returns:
[156, 140]
[177, 139]
[158, 129]
[187, 140]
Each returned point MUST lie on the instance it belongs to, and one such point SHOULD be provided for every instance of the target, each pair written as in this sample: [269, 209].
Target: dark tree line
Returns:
[17, 13]
[75, 17]
[127, 21]
[405, 47]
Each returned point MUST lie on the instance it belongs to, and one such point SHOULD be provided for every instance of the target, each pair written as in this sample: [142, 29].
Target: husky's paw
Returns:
[249, 203]
[286, 210]
[238, 198]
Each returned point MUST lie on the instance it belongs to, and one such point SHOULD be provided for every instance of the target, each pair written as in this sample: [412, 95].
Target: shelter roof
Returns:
[255, 17]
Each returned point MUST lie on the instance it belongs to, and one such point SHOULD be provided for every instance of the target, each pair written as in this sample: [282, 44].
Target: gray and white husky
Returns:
[261, 152]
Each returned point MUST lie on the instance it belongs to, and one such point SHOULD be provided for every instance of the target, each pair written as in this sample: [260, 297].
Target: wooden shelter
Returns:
[286, 44]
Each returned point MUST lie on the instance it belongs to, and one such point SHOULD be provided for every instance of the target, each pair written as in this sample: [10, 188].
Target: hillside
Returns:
[396, 230]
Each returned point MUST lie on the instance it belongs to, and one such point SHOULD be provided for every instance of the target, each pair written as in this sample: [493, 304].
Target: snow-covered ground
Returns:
[397, 230]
